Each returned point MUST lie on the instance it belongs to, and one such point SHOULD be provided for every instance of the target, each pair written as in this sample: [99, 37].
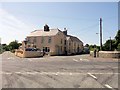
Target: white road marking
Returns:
[35, 59]
[71, 73]
[57, 73]
[57, 57]
[18, 72]
[83, 59]
[11, 58]
[108, 86]
[80, 59]
[54, 73]
[6, 73]
[92, 76]
[30, 73]
[75, 60]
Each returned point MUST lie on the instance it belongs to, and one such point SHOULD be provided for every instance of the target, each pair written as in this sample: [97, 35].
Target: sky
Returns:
[81, 19]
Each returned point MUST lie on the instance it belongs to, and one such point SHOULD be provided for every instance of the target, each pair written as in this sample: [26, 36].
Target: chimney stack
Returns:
[65, 31]
[46, 28]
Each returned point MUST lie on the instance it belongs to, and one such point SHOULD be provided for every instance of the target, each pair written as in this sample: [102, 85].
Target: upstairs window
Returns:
[65, 42]
[61, 41]
[49, 39]
[34, 40]
[42, 40]
[28, 39]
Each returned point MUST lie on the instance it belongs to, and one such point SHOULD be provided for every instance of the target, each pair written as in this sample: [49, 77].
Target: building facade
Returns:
[53, 42]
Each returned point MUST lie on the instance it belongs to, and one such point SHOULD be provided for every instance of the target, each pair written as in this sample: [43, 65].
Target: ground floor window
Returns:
[46, 49]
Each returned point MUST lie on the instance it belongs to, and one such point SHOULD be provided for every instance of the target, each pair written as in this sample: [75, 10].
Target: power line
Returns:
[89, 27]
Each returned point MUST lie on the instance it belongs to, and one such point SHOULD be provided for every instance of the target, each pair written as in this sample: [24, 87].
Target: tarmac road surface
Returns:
[79, 71]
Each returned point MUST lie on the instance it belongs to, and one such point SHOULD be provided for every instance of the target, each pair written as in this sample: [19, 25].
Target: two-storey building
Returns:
[53, 42]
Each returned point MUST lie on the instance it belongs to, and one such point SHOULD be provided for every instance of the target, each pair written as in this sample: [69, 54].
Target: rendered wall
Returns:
[26, 54]
[106, 54]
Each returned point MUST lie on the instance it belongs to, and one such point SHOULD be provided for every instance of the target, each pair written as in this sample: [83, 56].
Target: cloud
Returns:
[11, 28]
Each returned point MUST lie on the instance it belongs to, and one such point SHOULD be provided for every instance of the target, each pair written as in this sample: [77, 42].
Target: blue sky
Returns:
[81, 19]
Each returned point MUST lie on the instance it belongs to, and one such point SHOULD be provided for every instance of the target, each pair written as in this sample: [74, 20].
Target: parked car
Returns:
[86, 50]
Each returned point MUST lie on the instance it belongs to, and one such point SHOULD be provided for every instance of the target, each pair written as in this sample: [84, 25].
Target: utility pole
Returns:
[100, 34]
[110, 44]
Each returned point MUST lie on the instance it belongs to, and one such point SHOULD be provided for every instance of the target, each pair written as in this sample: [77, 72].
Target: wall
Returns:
[58, 44]
[107, 54]
[74, 47]
[26, 54]
[40, 45]
[55, 45]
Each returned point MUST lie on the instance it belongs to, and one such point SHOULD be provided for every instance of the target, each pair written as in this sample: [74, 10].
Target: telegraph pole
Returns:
[100, 34]
[110, 44]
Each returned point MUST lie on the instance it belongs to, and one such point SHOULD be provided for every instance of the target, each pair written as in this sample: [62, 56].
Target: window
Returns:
[34, 46]
[43, 49]
[28, 39]
[28, 45]
[61, 41]
[49, 39]
[65, 42]
[61, 48]
[69, 49]
[74, 44]
[42, 40]
[69, 43]
[34, 40]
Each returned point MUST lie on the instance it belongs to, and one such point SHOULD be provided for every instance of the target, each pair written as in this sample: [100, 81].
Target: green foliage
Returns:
[6, 48]
[118, 47]
[109, 45]
[92, 47]
[117, 37]
[11, 47]
[113, 43]
[87, 45]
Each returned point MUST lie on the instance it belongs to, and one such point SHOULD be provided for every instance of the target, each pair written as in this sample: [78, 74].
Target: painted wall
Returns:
[57, 45]
[106, 54]
[27, 54]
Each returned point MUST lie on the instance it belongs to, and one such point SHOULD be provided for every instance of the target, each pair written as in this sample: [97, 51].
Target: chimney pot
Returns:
[65, 31]
[46, 28]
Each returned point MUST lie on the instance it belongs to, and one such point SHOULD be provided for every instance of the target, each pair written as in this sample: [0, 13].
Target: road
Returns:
[79, 71]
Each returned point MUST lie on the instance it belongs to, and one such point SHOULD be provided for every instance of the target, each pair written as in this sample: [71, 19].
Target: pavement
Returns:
[78, 71]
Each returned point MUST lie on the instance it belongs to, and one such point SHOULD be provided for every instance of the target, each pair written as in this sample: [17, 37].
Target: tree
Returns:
[87, 45]
[117, 37]
[118, 47]
[109, 45]
[13, 45]
[92, 47]
[5, 47]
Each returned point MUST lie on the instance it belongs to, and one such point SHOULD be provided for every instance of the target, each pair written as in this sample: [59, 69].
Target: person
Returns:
[98, 52]
[95, 53]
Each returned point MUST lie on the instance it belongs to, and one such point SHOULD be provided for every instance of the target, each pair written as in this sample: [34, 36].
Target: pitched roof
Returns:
[41, 32]
[73, 38]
